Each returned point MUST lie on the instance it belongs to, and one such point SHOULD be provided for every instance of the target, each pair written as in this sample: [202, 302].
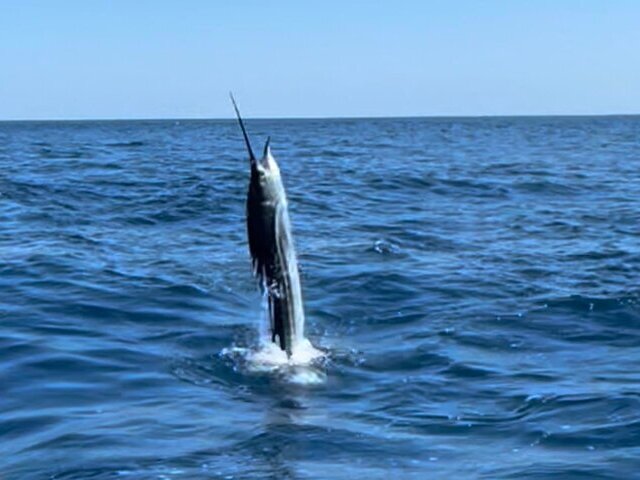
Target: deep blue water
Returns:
[475, 283]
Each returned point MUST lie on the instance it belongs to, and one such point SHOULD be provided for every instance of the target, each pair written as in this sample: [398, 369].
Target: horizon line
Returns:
[374, 117]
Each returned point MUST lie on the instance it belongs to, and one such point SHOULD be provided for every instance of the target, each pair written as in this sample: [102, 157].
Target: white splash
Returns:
[270, 356]
[303, 368]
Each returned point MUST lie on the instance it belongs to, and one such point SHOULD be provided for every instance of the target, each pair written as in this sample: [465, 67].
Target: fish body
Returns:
[271, 246]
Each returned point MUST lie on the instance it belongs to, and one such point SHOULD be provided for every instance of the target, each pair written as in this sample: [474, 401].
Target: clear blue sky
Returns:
[169, 59]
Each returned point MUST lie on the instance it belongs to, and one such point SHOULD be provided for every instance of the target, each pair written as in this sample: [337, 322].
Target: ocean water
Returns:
[473, 284]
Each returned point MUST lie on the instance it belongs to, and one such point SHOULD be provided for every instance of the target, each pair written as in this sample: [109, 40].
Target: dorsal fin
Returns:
[267, 149]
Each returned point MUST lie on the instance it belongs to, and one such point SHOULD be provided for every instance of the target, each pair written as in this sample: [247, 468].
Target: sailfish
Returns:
[273, 255]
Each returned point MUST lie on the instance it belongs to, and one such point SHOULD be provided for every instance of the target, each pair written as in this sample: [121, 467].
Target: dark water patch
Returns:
[130, 144]
[555, 469]
[546, 188]
[51, 153]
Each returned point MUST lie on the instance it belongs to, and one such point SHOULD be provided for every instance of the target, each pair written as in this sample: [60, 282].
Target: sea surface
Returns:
[474, 284]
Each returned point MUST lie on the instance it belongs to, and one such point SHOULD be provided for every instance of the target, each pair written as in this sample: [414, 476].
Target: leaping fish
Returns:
[271, 246]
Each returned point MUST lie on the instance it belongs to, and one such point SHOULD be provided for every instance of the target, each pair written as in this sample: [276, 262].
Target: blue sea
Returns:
[474, 284]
